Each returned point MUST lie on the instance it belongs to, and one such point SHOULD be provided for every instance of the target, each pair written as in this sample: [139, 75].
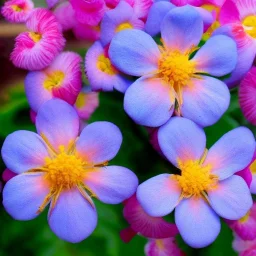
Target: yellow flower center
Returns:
[253, 167]
[249, 24]
[16, 8]
[160, 244]
[105, 65]
[245, 218]
[80, 102]
[123, 26]
[36, 37]
[175, 68]
[195, 179]
[54, 80]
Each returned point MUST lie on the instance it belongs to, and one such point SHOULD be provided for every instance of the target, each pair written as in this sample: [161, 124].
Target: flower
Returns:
[247, 96]
[36, 49]
[246, 226]
[102, 75]
[169, 75]
[143, 224]
[237, 20]
[17, 10]
[163, 247]
[206, 187]
[7, 175]
[244, 247]
[59, 167]
[121, 18]
[185, 2]
[62, 79]
[52, 3]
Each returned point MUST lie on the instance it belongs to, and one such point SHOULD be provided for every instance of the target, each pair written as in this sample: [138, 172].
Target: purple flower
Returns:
[206, 187]
[60, 168]
[170, 75]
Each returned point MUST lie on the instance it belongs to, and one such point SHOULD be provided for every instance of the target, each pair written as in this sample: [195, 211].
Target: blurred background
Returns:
[34, 237]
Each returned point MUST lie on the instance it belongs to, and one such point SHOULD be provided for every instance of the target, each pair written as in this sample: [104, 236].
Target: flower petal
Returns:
[205, 100]
[134, 52]
[112, 184]
[156, 15]
[253, 184]
[198, 224]
[58, 122]
[99, 142]
[181, 139]
[23, 151]
[231, 199]
[182, 28]
[231, 153]
[24, 194]
[218, 57]
[159, 195]
[148, 102]
[73, 218]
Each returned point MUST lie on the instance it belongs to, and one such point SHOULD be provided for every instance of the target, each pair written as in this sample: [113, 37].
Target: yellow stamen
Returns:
[36, 37]
[245, 218]
[80, 102]
[253, 167]
[54, 80]
[16, 8]
[105, 65]
[123, 26]
[195, 178]
[160, 244]
[249, 24]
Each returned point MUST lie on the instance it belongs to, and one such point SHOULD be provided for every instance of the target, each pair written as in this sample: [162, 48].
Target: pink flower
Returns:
[17, 10]
[143, 224]
[244, 247]
[86, 32]
[36, 49]
[62, 79]
[246, 226]
[7, 175]
[185, 2]
[247, 96]
[163, 247]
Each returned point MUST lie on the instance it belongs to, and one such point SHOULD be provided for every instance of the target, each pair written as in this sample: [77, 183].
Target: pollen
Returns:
[245, 218]
[81, 100]
[195, 179]
[253, 167]
[54, 80]
[16, 8]
[36, 37]
[123, 26]
[249, 24]
[105, 65]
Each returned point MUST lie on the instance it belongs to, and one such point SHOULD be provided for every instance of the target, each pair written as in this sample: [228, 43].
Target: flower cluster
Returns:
[175, 63]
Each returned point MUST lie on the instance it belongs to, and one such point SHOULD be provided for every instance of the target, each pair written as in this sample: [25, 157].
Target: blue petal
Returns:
[182, 28]
[181, 139]
[134, 52]
[218, 57]
[23, 151]
[205, 100]
[24, 194]
[198, 224]
[73, 218]
[231, 153]
[231, 199]
[155, 17]
[148, 102]
[159, 195]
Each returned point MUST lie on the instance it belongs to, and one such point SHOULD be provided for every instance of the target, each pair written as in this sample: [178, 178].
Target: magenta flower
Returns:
[246, 226]
[36, 49]
[7, 175]
[60, 168]
[244, 247]
[237, 18]
[143, 224]
[17, 11]
[169, 75]
[206, 187]
[102, 75]
[185, 2]
[247, 96]
[62, 79]
[121, 18]
[163, 247]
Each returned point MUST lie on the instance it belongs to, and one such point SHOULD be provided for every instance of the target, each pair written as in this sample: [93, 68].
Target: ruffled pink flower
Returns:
[7, 175]
[86, 32]
[244, 247]
[143, 224]
[17, 11]
[163, 247]
[87, 102]
[246, 226]
[247, 96]
[185, 2]
[62, 79]
[36, 49]
[140, 7]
